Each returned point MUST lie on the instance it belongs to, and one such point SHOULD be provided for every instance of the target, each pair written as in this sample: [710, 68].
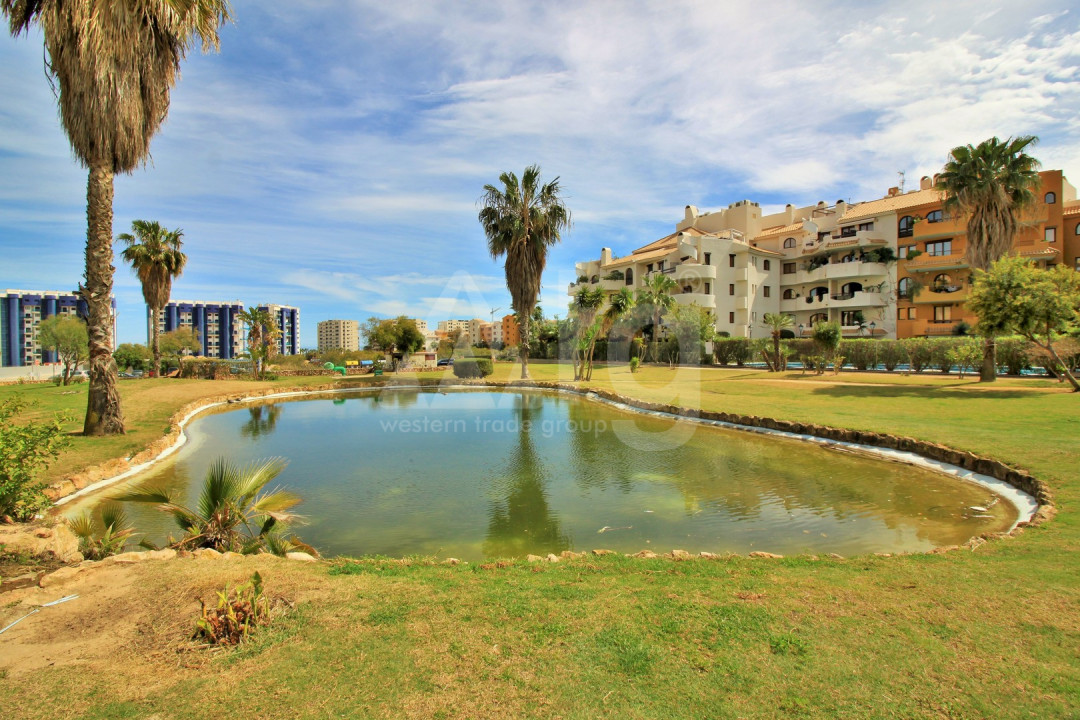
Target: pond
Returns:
[484, 474]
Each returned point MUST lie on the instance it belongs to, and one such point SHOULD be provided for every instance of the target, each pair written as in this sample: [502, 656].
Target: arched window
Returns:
[905, 288]
[789, 243]
[818, 317]
[1049, 198]
[594, 279]
[851, 288]
[789, 294]
[629, 276]
[906, 227]
[933, 216]
[1077, 231]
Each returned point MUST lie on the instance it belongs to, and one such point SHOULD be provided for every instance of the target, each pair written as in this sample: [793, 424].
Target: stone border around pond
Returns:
[1039, 508]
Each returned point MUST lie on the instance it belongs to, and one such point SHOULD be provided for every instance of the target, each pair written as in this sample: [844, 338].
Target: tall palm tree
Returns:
[991, 184]
[619, 305]
[521, 221]
[262, 335]
[778, 322]
[155, 257]
[656, 294]
[112, 64]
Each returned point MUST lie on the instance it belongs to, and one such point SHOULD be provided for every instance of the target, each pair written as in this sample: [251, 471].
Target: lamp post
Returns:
[873, 325]
[801, 328]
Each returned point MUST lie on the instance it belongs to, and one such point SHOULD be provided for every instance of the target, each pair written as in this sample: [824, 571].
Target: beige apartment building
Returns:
[338, 335]
[842, 262]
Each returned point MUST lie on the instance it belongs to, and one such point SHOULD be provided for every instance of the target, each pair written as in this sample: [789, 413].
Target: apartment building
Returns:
[510, 333]
[338, 335]
[217, 325]
[21, 314]
[887, 268]
[287, 318]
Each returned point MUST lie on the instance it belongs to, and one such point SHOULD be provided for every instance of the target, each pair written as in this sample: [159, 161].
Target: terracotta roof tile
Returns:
[781, 230]
[1071, 208]
[892, 204]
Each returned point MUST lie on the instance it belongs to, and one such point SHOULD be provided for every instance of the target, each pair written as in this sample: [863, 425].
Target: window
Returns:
[731, 318]
[629, 276]
[866, 226]
[905, 288]
[790, 242]
[1077, 230]
[789, 268]
[768, 264]
[1050, 235]
[660, 265]
[708, 258]
[731, 260]
[753, 317]
[818, 317]
[708, 289]
[906, 314]
[903, 250]
[753, 260]
[847, 317]
[766, 290]
[1049, 198]
[789, 294]
[1076, 264]
[933, 216]
[731, 289]
[848, 231]
[942, 313]
[906, 227]
[648, 268]
[937, 249]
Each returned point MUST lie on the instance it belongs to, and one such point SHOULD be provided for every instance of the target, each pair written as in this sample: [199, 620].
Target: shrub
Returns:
[102, 538]
[236, 616]
[891, 354]
[473, 367]
[26, 449]
[965, 355]
[938, 350]
[862, 353]
[732, 350]
[1013, 355]
[634, 363]
[917, 351]
[615, 275]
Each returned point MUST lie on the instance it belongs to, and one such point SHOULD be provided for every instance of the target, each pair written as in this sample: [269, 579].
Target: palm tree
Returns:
[619, 304]
[155, 257]
[233, 513]
[587, 302]
[263, 334]
[521, 221]
[656, 294]
[991, 184]
[112, 64]
[778, 322]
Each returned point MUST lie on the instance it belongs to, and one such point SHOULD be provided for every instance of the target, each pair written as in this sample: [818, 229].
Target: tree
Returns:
[179, 342]
[131, 355]
[262, 337]
[521, 221]
[778, 322]
[619, 305]
[827, 336]
[990, 184]
[692, 325]
[233, 513]
[26, 448]
[155, 257]
[656, 296]
[586, 304]
[112, 64]
[66, 335]
[400, 334]
[1015, 296]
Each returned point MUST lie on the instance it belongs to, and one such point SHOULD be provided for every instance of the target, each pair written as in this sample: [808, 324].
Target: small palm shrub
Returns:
[99, 538]
[635, 362]
[237, 614]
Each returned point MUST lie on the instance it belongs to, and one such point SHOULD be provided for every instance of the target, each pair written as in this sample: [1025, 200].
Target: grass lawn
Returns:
[993, 632]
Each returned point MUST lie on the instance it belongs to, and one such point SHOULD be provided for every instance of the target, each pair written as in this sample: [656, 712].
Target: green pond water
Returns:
[478, 475]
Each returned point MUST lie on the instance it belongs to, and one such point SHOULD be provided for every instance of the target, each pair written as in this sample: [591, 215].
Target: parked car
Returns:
[445, 361]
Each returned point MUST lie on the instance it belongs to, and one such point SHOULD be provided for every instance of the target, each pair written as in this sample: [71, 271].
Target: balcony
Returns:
[937, 328]
[926, 263]
[792, 306]
[742, 303]
[858, 299]
[695, 271]
[842, 270]
[742, 275]
[940, 294]
[701, 299]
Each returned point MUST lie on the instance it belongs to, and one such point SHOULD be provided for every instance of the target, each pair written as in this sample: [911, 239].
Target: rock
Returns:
[451, 561]
[301, 556]
[762, 554]
[646, 554]
[58, 577]
[552, 557]
[836, 556]
[944, 549]
[22, 581]
[43, 533]
[603, 552]
[207, 554]
[166, 554]
[707, 555]
[534, 558]
[130, 558]
[570, 555]
[230, 555]
[883, 555]
[680, 555]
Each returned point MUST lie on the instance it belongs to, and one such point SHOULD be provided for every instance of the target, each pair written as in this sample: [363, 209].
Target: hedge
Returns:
[473, 367]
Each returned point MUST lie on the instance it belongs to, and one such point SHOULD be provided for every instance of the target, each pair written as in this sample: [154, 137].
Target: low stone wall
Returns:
[934, 451]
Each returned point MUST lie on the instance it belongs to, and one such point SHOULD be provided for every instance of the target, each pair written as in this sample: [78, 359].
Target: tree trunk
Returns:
[523, 349]
[988, 371]
[103, 412]
[155, 344]
[1064, 369]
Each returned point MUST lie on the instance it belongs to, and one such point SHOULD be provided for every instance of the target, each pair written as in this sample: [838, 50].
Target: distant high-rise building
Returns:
[21, 313]
[339, 335]
[288, 321]
[217, 324]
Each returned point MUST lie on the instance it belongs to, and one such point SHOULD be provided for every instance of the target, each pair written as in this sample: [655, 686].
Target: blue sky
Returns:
[331, 156]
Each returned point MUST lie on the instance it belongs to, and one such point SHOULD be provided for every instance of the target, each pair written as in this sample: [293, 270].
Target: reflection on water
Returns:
[487, 474]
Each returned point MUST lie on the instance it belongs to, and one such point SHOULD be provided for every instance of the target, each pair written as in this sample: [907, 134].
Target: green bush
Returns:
[1013, 355]
[732, 350]
[473, 367]
[634, 363]
[917, 351]
[25, 449]
[891, 354]
[939, 349]
[861, 353]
